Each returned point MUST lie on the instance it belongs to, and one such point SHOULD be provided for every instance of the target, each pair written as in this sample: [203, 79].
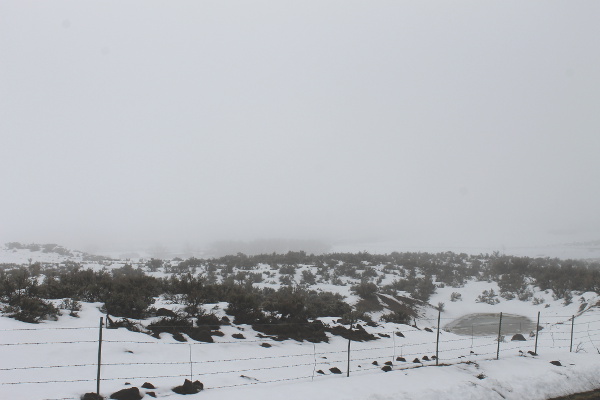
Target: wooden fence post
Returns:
[99, 357]
[499, 336]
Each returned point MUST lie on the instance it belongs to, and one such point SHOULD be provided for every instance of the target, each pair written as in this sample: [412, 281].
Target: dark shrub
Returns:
[31, 309]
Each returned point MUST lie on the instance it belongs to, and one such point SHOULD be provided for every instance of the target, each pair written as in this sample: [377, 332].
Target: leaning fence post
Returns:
[437, 342]
[499, 334]
[537, 332]
[572, 326]
[99, 357]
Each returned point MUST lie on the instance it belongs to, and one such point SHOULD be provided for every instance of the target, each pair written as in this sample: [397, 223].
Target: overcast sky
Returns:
[463, 123]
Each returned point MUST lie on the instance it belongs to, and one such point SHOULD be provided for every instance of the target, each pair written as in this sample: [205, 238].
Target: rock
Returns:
[386, 368]
[399, 334]
[557, 363]
[385, 335]
[388, 363]
[151, 394]
[401, 359]
[132, 393]
[375, 363]
[238, 336]
[433, 357]
[189, 387]
[416, 360]
[91, 396]
[266, 345]
[148, 385]
[428, 330]
[518, 338]
[425, 358]
[164, 312]
[320, 372]
[335, 370]
[225, 320]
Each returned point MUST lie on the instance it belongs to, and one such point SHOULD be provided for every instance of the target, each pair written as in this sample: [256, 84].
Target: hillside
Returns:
[280, 324]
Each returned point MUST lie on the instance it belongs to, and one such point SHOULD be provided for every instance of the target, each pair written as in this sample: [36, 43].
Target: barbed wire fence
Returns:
[101, 354]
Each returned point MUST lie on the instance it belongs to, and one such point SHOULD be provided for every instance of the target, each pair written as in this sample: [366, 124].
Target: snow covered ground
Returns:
[58, 359]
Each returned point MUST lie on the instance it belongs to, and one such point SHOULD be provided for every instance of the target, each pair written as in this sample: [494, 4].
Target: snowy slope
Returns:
[58, 359]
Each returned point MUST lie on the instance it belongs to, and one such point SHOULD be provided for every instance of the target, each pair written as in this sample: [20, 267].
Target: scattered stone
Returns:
[386, 368]
[433, 357]
[480, 376]
[416, 360]
[557, 363]
[91, 396]
[518, 338]
[189, 387]
[335, 370]
[217, 333]
[132, 393]
[225, 320]
[384, 335]
[428, 329]
[375, 363]
[388, 363]
[151, 394]
[148, 385]
[320, 372]
[401, 359]
[267, 345]
[127, 384]
[238, 336]
[425, 358]
[399, 334]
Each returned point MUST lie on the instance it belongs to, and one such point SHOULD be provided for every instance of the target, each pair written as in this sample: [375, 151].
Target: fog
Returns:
[181, 124]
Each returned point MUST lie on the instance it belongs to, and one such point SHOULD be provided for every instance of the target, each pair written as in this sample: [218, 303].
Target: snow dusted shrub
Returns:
[537, 301]
[72, 305]
[31, 309]
[488, 296]
[455, 296]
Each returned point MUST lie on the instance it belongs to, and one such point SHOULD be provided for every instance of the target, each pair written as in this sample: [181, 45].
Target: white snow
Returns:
[63, 355]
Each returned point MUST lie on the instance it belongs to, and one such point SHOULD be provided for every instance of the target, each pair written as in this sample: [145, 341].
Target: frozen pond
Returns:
[487, 324]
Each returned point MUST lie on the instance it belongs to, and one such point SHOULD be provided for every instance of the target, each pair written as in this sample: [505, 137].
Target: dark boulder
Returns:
[91, 396]
[401, 359]
[132, 393]
[428, 330]
[425, 358]
[557, 363]
[375, 363]
[518, 338]
[335, 370]
[165, 312]
[189, 387]
[151, 394]
[320, 372]
[148, 385]
[266, 345]
[386, 368]
[399, 334]
[416, 360]
[238, 336]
